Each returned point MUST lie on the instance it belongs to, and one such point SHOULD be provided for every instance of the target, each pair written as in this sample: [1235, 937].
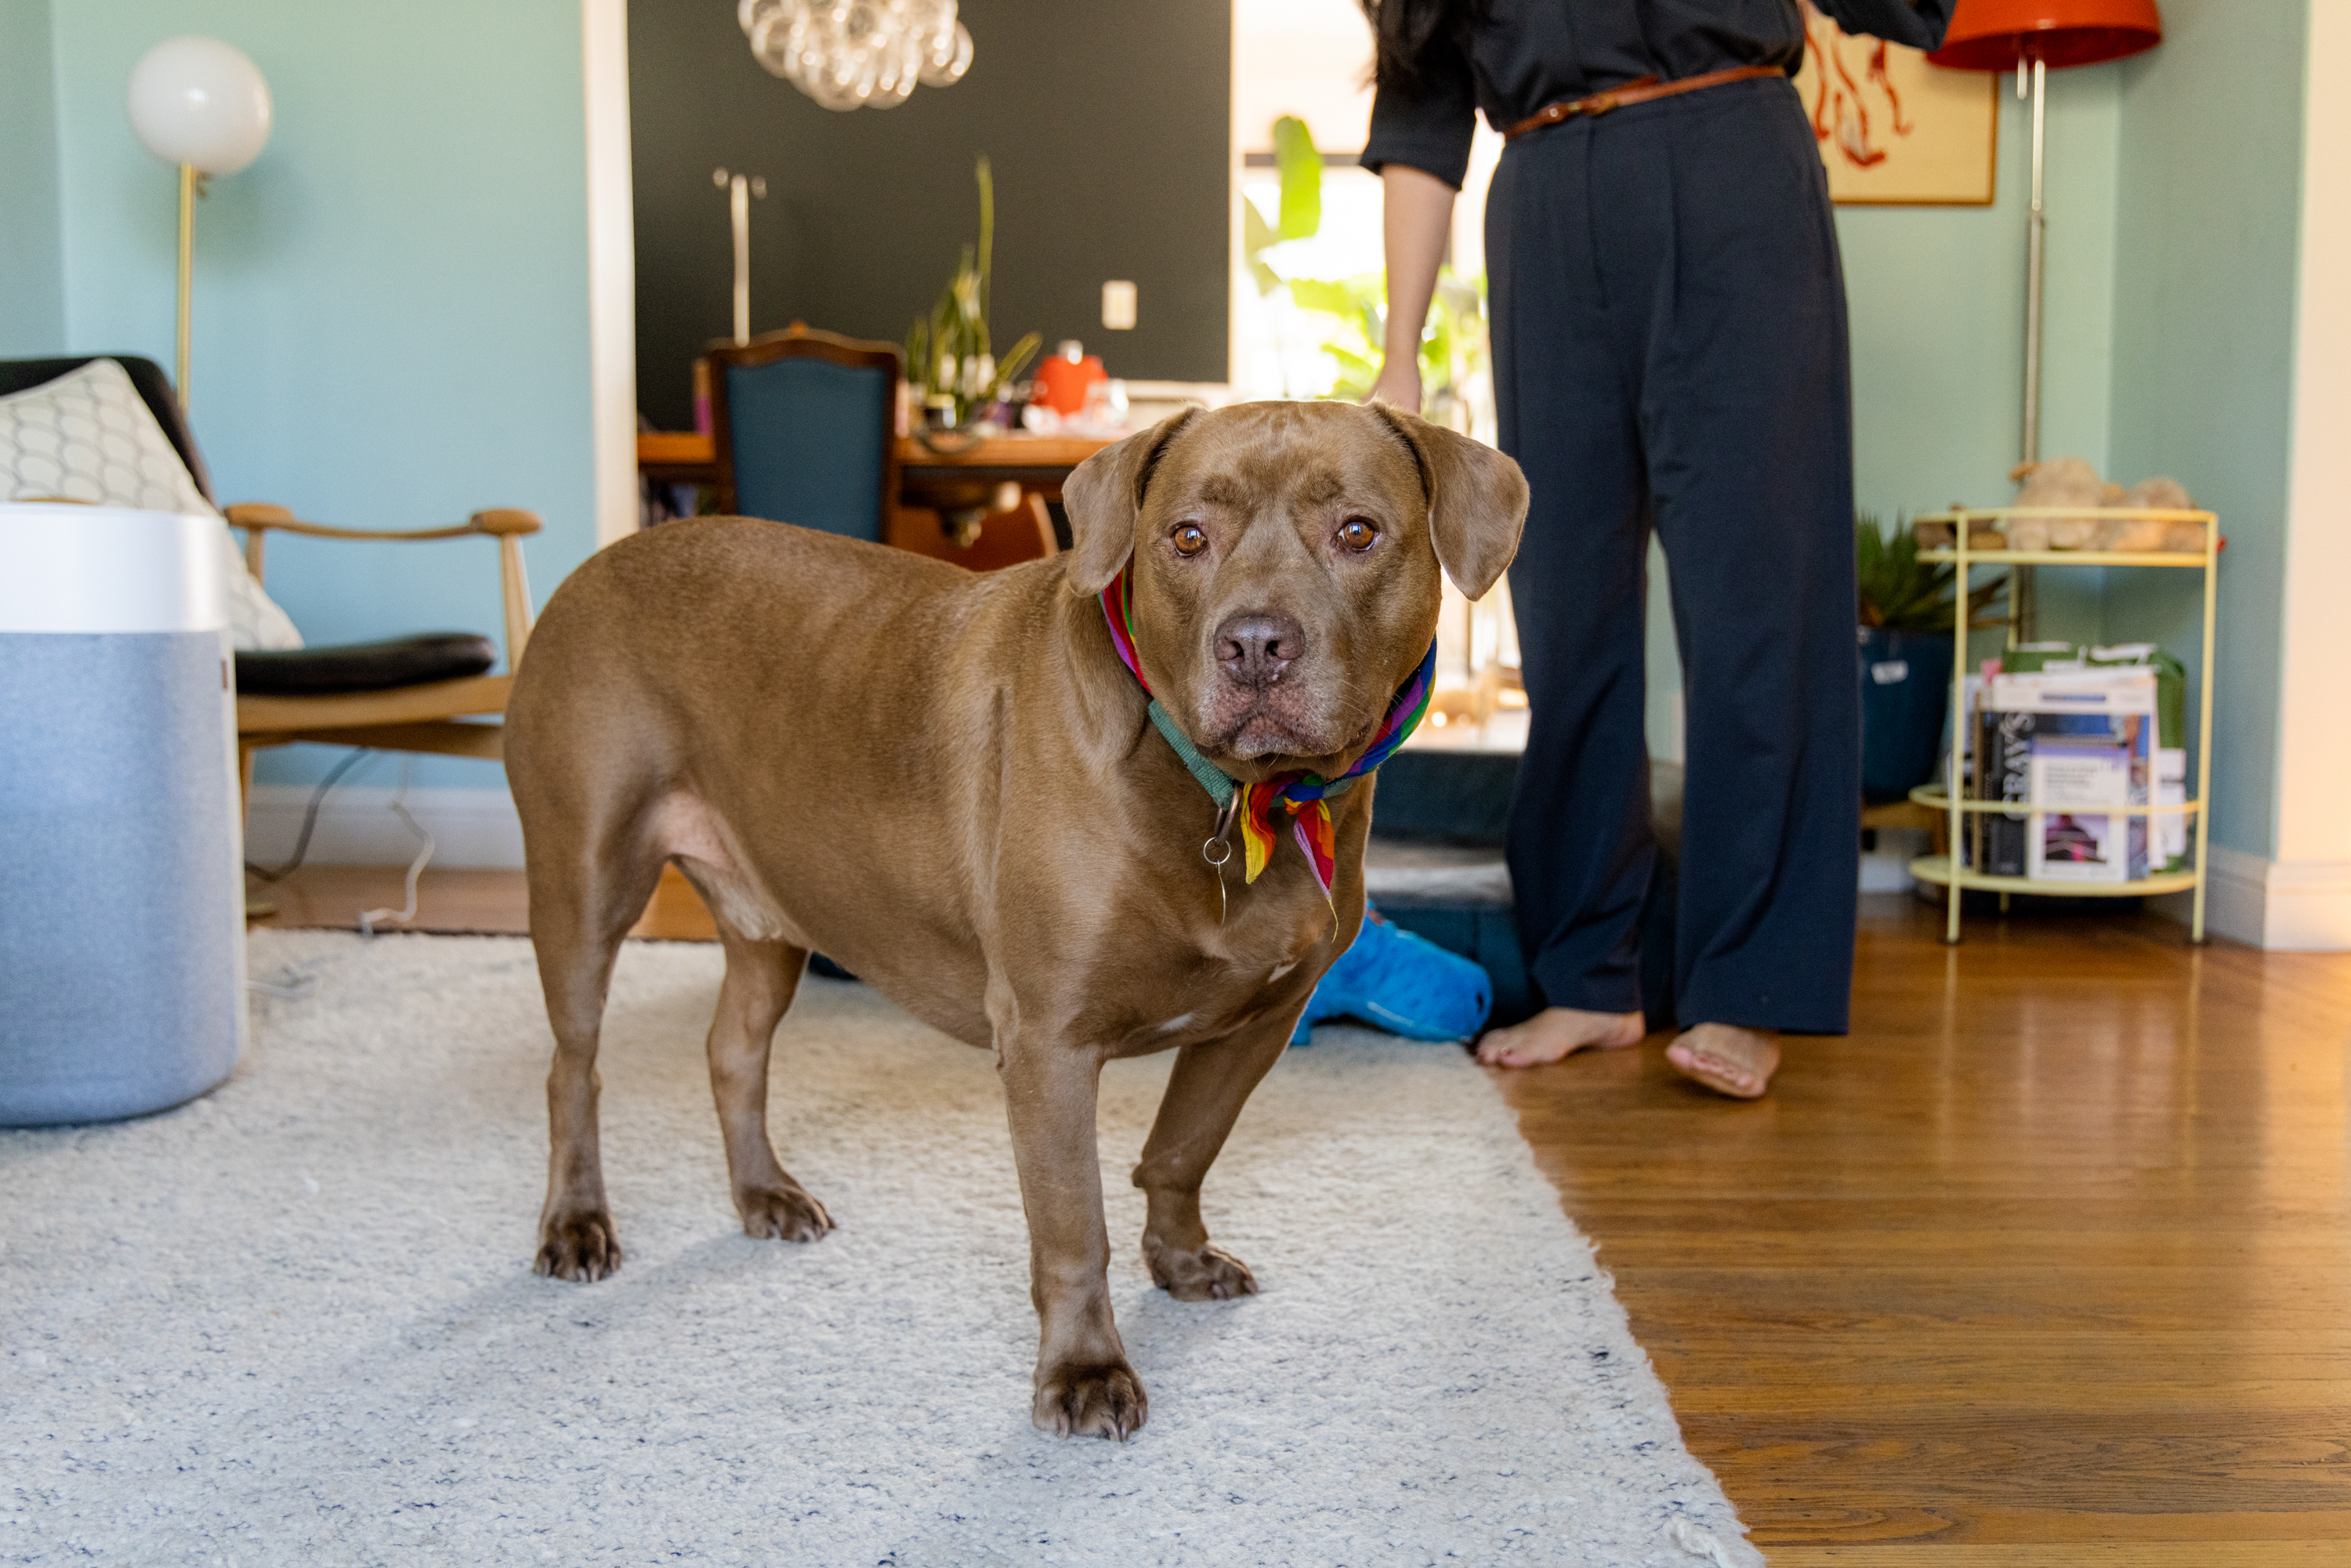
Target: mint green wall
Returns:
[1936, 299]
[32, 294]
[390, 304]
[2208, 200]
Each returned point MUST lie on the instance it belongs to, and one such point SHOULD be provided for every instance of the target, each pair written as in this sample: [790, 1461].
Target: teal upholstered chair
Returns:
[805, 426]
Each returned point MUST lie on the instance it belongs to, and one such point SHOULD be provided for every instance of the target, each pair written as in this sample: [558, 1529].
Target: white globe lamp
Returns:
[199, 104]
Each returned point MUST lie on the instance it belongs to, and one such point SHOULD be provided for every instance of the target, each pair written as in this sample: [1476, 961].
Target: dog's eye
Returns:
[1190, 540]
[1358, 534]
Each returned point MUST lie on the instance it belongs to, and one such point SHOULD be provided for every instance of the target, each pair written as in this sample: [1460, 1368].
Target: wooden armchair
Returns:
[445, 715]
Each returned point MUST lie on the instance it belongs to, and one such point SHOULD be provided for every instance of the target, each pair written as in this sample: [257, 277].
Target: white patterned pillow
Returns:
[87, 436]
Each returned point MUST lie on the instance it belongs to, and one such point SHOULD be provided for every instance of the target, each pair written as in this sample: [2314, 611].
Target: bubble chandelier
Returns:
[848, 53]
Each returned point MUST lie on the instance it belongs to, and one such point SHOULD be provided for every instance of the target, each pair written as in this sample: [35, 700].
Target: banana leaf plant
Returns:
[1902, 594]
[948, 351]
[1453, 342]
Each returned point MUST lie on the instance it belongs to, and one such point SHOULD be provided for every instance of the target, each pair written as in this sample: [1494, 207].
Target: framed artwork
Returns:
[1894, 128]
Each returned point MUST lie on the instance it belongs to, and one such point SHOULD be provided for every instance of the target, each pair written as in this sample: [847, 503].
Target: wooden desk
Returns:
[1038, 463]
[954, 498]
[676, 457]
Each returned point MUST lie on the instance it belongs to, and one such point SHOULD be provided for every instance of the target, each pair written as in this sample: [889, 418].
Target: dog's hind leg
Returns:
[583, 899]
[760, 979]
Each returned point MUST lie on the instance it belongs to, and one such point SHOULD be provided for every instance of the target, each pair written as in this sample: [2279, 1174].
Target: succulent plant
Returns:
[1902, 594]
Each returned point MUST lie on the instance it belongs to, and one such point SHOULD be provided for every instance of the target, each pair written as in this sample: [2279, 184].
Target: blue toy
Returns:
[1402, 983]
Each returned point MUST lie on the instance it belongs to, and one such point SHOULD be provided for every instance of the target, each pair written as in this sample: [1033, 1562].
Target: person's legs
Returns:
[1579, 846]
[1748, 424]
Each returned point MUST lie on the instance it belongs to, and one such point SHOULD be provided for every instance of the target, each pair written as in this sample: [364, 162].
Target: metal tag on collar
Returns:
[1220, 846]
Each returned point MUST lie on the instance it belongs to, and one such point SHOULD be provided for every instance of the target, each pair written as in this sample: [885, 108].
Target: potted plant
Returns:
[948, 357]
[1906, 609]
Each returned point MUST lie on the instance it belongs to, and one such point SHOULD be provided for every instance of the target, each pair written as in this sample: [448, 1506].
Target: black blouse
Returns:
[1527, 54]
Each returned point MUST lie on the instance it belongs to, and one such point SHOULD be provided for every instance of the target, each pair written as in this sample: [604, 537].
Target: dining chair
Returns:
[804, 428]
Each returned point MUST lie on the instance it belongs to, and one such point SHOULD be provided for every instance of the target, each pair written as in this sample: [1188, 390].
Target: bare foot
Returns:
[1726, 1058]
[1557, 1032]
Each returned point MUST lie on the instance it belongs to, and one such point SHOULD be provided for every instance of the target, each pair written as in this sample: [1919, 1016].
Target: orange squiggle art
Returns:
[1841, 111]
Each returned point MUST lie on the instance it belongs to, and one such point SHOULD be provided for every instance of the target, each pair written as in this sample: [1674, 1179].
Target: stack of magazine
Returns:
[2071, 735]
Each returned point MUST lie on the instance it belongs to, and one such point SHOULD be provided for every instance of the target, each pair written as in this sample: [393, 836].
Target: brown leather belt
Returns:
[1632, 92]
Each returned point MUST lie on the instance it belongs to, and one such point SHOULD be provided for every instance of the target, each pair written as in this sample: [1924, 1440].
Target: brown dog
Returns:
[949, 783]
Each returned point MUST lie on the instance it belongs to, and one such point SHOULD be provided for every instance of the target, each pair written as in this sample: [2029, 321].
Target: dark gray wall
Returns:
[1106, 122]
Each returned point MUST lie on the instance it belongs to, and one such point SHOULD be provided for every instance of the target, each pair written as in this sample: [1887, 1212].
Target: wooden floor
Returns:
[2049, 1262]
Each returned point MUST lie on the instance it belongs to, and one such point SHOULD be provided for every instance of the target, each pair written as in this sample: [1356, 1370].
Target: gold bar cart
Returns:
[1945, 870]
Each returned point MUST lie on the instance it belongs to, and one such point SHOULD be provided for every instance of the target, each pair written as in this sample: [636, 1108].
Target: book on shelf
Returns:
[2069, 748]
[2169, 831]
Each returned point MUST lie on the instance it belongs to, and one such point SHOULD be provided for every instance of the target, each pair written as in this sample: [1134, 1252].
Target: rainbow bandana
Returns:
[1302, 794]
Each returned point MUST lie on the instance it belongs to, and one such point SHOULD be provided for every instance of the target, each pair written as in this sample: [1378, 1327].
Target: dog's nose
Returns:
[1255, 647]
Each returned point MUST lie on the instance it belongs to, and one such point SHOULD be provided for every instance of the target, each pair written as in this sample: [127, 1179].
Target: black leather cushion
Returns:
[364, 666]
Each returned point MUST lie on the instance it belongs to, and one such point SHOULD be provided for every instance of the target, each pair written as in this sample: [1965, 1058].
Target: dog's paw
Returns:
[1090, 1402]
[782, 1214]
[1210, 1274]
[582, 1247]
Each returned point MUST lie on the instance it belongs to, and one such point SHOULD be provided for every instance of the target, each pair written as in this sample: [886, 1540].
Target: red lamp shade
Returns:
[1993, 35]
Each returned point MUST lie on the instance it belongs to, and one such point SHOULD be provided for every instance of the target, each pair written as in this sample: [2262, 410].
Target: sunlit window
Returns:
[1309, 293]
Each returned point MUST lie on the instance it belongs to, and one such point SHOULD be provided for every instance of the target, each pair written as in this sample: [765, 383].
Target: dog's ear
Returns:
[1477, 499]
[1103, 496]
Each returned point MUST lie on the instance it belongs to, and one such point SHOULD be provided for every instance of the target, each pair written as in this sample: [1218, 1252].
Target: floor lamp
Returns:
[2029, 37]
[199, 104]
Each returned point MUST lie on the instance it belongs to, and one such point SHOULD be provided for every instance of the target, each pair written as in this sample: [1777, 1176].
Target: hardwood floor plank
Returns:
[2288, 1241]
[456, 902]
[2088, 1369]
[2048, 1300]
[2261, 1552]
[2225, 1460]
[2151, 1399]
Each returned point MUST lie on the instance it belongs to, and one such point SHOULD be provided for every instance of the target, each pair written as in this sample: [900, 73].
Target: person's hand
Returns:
[1398, 386]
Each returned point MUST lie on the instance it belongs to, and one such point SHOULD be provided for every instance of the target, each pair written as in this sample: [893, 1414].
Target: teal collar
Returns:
[1218, 783]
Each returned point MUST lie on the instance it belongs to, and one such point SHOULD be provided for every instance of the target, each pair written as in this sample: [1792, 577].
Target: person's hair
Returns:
[1403, 29]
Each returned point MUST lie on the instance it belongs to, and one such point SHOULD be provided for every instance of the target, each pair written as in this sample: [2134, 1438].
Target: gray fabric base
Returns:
[122, 899]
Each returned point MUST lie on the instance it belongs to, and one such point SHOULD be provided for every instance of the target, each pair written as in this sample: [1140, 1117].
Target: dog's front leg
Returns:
[1084, 1386]
[1210, 1082]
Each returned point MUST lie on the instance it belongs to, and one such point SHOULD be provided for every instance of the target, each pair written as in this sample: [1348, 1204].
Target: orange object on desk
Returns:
[1063, 382]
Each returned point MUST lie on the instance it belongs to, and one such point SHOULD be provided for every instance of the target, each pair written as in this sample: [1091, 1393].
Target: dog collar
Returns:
[1302, 794]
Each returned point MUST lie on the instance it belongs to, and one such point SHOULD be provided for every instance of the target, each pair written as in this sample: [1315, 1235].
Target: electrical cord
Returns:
[289, 984]
[368, 918]
[310, 821]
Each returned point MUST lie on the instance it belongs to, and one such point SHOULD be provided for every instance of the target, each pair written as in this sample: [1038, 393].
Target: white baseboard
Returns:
[2287, 906]
[2301, 906]
[356, 827]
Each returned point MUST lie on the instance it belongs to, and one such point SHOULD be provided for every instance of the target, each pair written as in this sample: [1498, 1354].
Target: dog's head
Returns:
[1284, 559]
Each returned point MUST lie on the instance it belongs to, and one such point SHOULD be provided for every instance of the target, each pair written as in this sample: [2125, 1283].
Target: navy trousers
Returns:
[1670, 353]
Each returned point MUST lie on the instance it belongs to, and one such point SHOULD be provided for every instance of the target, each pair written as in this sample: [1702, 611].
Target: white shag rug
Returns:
[295, 1323]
